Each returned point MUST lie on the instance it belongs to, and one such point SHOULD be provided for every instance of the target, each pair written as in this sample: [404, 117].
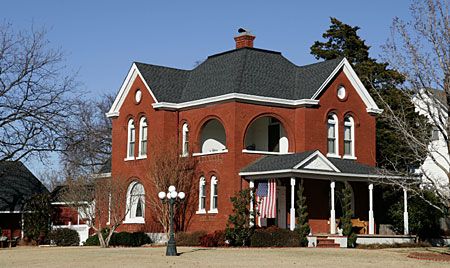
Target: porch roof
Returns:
[311, 164]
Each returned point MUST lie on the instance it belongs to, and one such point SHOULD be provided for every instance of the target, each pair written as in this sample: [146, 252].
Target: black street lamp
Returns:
[171, 197]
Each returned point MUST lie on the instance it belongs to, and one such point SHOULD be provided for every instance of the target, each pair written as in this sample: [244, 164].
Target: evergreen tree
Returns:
[346, 219]
[342, 40]
[37, 223]
[302, 211]
[238, 230]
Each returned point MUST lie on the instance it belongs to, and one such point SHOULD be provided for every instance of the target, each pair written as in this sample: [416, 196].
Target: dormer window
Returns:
[185, 140]
[349, 137]
[131, 139]
[143, 137]
[332, 124]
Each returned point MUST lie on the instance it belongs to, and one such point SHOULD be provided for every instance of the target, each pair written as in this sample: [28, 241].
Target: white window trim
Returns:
[141, 157]
[211, 209]
[129, 128]
[142, 122]
[210, 153]
[128, 218]
[185, 140]
[350, 124]
[200, 195]
[336, 136]
[246, 151]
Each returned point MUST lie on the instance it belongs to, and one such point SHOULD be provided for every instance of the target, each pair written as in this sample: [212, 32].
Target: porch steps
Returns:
[326, 243]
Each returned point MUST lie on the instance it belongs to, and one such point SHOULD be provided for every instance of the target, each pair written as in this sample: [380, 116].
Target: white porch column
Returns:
[22, 224]
[332, 211]
[405, 213]
[292, 211]
[252, 216]
[371, 220]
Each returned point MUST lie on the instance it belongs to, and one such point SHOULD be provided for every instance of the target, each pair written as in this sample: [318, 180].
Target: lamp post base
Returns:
[171, 249]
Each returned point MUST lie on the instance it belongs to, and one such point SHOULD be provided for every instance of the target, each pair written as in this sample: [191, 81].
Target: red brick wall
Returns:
[305, 128]
[10, 223]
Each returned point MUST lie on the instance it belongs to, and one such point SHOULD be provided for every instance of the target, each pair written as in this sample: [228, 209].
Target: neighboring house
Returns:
[67, 216]
[17, 186]
[431, 103]
[249, 116]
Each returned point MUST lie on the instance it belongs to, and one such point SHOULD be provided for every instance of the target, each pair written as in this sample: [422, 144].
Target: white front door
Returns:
[281, 206]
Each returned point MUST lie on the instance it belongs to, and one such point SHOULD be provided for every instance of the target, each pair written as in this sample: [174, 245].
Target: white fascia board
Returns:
[371, 106]
[236, 96]
[125, 89]
[321, 156]
[315, 172]
[11, 212]
[71, 203]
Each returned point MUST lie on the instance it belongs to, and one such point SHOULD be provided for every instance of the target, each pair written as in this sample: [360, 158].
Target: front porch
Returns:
[323, 180]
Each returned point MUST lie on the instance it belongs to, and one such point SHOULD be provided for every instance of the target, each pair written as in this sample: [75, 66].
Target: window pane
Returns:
[347, 133]
[132, 134]
[202, 203]
[331, 130]
[215, 202]
[131, 149]
[144, 133]
[331, 146]
[144, 147]
[139, 208]
[347, 147]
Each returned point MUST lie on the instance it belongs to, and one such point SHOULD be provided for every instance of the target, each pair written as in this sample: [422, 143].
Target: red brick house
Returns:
[250, 115]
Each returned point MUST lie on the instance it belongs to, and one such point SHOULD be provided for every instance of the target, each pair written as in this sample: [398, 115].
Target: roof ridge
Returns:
[244, 48]
[161, 66]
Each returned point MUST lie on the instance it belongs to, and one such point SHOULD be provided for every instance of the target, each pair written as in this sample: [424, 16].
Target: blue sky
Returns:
[102, 38]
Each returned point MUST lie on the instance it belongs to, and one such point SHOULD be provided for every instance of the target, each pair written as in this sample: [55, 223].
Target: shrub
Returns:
[189, 239]
[216, 239]
[124, 239]
[65, 237]
[239, 231]
[274, 237]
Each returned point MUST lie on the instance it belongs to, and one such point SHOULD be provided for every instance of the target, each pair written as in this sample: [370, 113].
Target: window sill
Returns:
[200, 211]
[141, 157]
[334, 155]
[350, 157]
[210, 153]
[139, 220]
[213, 211]
[245, 151]
[128, 158]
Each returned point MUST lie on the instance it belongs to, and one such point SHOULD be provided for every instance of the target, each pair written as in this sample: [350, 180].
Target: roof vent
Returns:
[244, 38]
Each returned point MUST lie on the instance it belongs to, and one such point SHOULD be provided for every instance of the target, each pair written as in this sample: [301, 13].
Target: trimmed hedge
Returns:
[124, 239]
[274, 237]
[189, 239]
[65, 237]
[216, 239]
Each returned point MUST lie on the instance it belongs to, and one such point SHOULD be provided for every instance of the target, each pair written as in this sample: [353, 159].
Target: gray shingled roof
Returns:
[17, 186]
[289, 161]
[246, 70]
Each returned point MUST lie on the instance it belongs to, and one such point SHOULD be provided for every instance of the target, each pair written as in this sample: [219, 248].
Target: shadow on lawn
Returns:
[193, 250]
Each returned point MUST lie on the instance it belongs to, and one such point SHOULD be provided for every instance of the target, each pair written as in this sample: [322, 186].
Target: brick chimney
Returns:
[244, 38]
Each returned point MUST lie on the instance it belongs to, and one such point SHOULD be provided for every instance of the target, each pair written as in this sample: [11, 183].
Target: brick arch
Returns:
[199, 127]
[287, 128]
[353, 115]
[328, 112]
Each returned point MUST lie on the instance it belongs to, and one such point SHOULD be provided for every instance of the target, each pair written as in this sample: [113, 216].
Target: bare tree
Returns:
[420, 50]
[35, 93]
[87, 137]
[169, 168]
[101, 202]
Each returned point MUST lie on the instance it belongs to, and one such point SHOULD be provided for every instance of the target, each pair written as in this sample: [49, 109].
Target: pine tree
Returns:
[302, 211]
[346, 219]
[342, 40]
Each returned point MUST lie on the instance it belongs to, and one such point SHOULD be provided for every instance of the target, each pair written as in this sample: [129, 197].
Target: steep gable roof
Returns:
[248, 74]
[17, 186]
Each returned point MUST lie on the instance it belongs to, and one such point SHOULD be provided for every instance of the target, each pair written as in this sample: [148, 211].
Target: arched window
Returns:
[214, 195]
[202, 196]
[135, 203]
[266, 135]
[143, 137]
[131, 139]
[332, 135]
[185, 140]
[349, 136]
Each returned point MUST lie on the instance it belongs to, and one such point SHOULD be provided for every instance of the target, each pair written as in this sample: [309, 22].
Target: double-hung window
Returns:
[332, 138]
[143, 137]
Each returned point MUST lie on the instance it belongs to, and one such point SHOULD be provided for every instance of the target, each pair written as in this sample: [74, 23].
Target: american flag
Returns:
[266, 196]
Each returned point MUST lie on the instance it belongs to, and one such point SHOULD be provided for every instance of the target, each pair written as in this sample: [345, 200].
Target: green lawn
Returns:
[210, 257]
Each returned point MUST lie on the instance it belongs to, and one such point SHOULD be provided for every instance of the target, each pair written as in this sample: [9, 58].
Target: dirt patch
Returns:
[429, 256]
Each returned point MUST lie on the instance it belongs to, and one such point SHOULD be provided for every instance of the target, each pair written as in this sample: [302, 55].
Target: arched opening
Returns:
[212, 137]
[266, 134]
[135, 203]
